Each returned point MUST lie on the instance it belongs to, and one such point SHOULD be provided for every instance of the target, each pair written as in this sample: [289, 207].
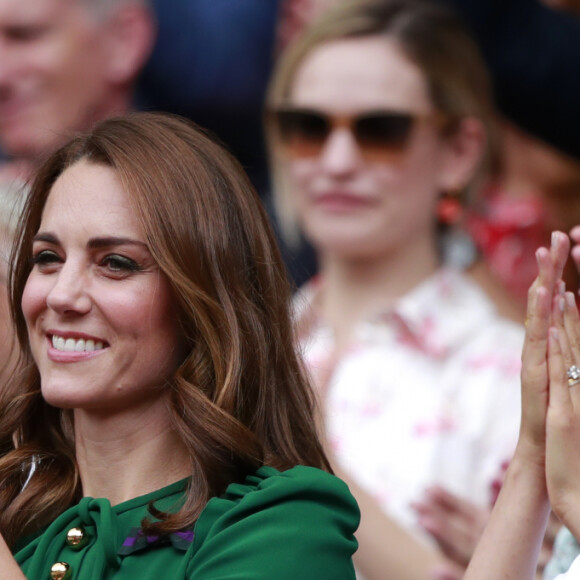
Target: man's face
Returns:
[52, 73]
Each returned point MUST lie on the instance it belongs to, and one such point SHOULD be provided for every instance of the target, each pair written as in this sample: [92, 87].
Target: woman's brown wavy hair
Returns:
[240, 398]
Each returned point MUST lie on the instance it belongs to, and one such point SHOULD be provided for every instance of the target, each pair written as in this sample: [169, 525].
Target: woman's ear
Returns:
[463, 155]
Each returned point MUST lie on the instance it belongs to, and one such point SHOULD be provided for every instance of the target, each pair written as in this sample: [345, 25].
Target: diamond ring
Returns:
[573, 375]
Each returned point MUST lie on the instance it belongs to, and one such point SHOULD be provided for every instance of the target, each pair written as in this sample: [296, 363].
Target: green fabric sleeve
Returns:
[289, 525]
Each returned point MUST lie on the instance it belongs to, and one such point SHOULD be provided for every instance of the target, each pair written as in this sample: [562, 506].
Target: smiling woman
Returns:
[160, 410]
[84, 302]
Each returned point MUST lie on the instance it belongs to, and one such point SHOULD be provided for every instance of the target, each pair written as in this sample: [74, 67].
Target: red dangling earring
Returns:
[449, 209]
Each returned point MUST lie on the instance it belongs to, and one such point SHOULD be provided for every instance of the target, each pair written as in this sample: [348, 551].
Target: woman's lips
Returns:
[342, 202]
[72, 347]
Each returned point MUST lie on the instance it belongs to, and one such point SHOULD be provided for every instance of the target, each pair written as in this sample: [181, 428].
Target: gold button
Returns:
[60, 571]
[76, 538]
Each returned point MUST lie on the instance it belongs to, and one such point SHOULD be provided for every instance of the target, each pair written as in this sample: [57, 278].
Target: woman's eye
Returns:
[116, 263]
[45, 257]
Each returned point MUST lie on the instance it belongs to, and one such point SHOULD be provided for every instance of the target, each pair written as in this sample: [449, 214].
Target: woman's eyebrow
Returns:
[46, 237]
[106, 242]
[94, 243]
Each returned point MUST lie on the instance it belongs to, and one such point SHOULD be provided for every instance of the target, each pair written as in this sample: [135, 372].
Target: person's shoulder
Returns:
[483, 307]
[308, 485]
[269, 488]
[297, 480]
[278, 524]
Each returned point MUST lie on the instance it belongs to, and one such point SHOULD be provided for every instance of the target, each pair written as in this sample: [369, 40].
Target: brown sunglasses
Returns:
[379, 134]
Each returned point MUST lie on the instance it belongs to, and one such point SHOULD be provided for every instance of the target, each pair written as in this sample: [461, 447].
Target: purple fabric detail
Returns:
[130, 541]
[187, 535]
[137, 541]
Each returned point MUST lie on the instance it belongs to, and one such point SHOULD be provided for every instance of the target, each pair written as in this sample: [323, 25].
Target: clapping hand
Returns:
[563, 415]
[545, 292]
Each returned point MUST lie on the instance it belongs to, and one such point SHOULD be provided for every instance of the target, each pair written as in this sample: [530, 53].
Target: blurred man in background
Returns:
[65, 64]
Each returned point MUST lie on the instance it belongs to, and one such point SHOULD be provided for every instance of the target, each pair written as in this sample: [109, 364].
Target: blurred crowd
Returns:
[412, 156]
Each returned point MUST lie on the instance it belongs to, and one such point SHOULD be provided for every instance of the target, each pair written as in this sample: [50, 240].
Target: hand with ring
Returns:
[546, 288]
[563, 418]
[511, 541]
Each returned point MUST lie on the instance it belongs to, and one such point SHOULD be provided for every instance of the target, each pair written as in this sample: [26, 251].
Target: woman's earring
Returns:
[456, 246]
[449, 208]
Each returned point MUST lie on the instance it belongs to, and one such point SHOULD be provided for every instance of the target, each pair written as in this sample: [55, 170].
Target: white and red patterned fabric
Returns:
[428, 393]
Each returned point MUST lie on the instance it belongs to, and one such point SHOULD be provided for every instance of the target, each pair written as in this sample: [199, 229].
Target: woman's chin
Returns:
[64, 396]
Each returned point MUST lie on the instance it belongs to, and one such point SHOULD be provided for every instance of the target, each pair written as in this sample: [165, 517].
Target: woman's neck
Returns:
[355, 289]
[123, 457]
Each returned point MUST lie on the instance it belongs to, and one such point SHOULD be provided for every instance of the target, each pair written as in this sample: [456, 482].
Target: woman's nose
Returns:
[341, 153]
[69, 293]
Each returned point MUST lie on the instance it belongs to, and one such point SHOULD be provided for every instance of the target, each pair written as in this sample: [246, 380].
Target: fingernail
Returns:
[561, 287]
[554, 333]
[570, 299]
[562, 303]
[554, 238]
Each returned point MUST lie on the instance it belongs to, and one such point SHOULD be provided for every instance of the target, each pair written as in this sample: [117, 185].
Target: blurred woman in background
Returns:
[380, 124]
